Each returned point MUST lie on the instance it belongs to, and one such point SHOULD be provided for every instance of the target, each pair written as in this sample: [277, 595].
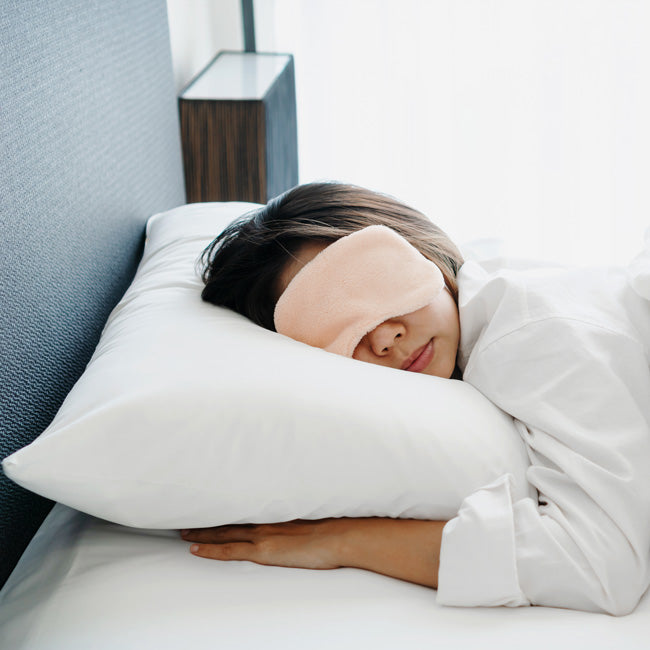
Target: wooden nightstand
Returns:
[239, 130]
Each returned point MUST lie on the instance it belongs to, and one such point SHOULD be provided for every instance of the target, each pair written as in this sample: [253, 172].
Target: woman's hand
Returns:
[408, 549]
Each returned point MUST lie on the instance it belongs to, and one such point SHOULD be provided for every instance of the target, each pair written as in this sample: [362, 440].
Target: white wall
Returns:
[525, 120]
[198, 30]
[521, 120]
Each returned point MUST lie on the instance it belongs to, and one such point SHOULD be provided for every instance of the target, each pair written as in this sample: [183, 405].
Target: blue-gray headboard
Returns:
[89, 148]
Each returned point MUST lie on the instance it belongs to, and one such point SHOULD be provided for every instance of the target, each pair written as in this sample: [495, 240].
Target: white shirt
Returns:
[566, 352]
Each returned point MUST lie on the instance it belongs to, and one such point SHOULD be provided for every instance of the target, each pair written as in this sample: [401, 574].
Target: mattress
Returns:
[86, 583]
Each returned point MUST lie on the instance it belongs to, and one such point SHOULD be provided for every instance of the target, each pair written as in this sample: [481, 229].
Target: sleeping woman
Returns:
[564, 351]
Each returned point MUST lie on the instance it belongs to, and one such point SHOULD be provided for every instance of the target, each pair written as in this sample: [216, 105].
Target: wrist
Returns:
[349, 541]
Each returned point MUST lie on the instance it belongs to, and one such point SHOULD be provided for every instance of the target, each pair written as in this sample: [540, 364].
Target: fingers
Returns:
[221, 534]
[229, 551]
[242, 532]
[223, 542]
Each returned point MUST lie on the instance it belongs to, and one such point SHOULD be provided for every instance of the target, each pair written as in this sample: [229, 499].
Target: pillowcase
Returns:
[189, 415]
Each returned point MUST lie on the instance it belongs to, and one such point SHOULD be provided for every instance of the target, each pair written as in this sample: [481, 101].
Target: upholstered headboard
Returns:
[90, 148]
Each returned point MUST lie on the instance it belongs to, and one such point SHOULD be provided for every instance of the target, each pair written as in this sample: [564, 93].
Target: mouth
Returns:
[420, 359]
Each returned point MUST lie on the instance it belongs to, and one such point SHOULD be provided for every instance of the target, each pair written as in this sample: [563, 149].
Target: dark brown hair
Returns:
[242, 265]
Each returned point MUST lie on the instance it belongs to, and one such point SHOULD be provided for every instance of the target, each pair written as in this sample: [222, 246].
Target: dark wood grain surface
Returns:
[240, 149]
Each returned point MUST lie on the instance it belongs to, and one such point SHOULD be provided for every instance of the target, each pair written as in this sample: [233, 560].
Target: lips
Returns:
[420, 359]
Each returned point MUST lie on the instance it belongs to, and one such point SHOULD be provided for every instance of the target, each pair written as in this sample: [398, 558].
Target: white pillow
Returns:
[190, 415]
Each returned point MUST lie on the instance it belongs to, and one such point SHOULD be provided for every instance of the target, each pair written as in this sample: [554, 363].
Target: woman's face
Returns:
[424, 341]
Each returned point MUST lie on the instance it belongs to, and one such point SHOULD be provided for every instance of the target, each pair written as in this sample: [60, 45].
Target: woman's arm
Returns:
[407, 549]
[579, 393]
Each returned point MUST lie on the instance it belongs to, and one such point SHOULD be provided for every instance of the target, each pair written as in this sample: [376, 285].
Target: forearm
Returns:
[408, 549]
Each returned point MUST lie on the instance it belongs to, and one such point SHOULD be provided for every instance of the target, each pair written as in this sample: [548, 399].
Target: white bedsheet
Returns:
[85, 583]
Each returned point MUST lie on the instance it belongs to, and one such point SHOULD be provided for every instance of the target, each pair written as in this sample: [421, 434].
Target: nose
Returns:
[384, 337]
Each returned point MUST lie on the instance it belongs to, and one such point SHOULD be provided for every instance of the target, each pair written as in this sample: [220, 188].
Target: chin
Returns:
[437, 372]
[445, 371]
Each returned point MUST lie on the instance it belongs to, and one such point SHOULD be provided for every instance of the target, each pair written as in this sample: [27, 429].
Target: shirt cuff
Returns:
[478, 564]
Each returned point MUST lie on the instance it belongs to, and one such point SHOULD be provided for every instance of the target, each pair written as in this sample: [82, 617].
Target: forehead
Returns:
[302, 256]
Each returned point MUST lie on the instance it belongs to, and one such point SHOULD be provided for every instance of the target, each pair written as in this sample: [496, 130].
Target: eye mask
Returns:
[353, 285]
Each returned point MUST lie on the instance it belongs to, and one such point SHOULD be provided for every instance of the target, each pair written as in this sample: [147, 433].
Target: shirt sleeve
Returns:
[580, 395]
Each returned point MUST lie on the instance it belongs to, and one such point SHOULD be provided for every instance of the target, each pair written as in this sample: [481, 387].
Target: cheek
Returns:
[362, 351]
[447, 313]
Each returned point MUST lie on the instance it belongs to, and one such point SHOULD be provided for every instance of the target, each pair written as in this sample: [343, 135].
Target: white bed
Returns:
[87, 583]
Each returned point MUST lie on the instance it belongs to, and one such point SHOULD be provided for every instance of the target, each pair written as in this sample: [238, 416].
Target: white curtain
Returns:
[521, 121]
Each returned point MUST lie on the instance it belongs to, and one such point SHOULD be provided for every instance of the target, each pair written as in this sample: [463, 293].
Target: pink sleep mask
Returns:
[353, 285]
